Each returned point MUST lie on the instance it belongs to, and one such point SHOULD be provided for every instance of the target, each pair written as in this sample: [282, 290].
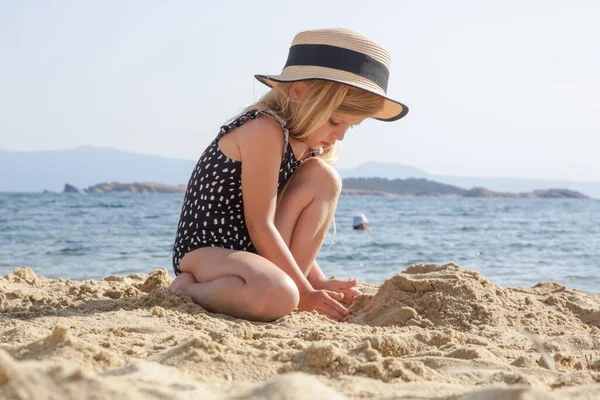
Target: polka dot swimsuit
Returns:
[213, 207]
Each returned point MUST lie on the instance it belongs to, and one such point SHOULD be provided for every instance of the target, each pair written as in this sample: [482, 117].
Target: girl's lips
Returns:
[325, 144]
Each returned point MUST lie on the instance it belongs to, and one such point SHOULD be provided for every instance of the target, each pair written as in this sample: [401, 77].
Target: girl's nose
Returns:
[340, 134]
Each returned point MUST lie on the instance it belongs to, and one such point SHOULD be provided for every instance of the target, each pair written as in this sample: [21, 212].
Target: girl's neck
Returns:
[301, 150]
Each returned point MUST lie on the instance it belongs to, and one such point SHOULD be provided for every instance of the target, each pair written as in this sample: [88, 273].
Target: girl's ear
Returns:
[297, 90]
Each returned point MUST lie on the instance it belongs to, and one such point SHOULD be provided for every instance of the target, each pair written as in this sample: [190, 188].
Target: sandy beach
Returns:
[431, 332]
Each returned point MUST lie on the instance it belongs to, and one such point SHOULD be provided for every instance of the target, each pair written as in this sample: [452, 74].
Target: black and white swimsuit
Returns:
[213, 208]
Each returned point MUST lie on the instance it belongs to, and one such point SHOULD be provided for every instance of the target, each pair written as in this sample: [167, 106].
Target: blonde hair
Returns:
[320, 100]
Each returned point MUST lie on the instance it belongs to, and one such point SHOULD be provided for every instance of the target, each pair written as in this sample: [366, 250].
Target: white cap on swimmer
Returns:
[359, 219]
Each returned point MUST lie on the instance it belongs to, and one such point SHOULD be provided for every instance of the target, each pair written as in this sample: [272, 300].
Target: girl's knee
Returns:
[322, 176]
[275, 298]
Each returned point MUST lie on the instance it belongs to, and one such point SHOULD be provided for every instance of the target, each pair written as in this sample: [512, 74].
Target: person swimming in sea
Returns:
[361, 223]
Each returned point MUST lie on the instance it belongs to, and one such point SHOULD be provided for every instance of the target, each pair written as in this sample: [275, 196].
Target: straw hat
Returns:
[340, 55]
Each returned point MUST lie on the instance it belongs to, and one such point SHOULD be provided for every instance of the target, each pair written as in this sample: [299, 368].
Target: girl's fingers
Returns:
[350, 283]
[338, 316]
[329, 284]
[349, 295]
[328, 315]
[339, 285]
[335, 295]
[347, 300]
[337, 307]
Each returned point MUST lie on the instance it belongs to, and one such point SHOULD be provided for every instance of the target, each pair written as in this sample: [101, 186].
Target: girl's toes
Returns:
[181, 281]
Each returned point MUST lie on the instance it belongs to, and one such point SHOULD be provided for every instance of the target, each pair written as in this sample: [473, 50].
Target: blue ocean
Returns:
[512, 242]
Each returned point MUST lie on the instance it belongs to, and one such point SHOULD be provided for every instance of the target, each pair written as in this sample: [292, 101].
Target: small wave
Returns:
[384, 246]
[583, 277]
[92, 206]
[521, 245]
[76, 250]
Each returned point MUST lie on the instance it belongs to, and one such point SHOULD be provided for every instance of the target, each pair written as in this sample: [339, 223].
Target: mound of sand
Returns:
[432, 331]
[452, 296]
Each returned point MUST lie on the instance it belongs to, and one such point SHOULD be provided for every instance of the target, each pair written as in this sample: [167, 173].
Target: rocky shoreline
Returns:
[426, 190]
[118, 187]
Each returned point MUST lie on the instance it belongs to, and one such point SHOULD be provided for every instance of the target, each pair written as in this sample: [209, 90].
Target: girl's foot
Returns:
[182, 280]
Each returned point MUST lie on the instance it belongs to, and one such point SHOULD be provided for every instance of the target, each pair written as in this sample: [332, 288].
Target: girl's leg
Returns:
[306, 210]
[237, 283]
[245, 285]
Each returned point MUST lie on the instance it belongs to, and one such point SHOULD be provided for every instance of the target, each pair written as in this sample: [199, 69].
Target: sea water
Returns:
[512, 242]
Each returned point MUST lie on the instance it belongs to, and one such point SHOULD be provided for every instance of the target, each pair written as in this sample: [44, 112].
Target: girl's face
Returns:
[332, 131]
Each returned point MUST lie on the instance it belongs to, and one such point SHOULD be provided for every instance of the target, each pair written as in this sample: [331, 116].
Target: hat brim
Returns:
[392, 110]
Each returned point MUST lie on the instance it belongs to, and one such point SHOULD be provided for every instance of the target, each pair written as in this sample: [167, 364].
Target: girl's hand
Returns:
[345, 287]
[325, 302]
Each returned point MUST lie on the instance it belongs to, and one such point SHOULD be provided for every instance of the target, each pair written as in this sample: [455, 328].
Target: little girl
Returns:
[263, 194]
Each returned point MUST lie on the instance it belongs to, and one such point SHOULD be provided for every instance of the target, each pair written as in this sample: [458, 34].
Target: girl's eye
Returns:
[332, 122]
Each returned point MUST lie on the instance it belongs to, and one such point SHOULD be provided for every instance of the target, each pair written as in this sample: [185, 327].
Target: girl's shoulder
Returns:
[255, 130]
[263, 130]
[266, 119]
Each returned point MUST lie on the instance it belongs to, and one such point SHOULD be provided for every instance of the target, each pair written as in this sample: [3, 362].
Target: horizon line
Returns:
[337, 168]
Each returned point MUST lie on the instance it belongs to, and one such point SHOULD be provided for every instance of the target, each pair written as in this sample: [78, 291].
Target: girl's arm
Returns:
[315, 274]
[261, 150]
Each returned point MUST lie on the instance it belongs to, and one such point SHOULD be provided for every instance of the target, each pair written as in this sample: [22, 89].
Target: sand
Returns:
[429, 332]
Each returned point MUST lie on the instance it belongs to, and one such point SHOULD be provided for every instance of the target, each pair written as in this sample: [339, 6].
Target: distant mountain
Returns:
[36, 171]
[372, 169]
[425, 187]
[513, 185]
[517, 185]
[404, 187]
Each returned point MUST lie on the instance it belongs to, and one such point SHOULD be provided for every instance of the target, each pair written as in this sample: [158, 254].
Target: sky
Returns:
[495, 88]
